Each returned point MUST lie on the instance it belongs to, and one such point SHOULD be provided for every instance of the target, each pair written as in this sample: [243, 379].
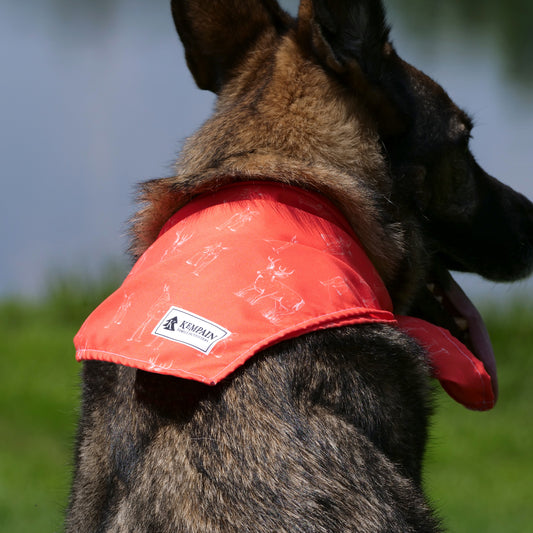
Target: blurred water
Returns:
[95, 97]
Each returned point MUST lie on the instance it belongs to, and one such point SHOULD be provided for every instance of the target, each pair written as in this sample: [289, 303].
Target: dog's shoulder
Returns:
[301, 419]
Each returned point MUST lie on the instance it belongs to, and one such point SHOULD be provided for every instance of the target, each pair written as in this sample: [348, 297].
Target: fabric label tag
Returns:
[192, 330]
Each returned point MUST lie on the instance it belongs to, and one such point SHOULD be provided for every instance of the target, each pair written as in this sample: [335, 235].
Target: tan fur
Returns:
[302, 128]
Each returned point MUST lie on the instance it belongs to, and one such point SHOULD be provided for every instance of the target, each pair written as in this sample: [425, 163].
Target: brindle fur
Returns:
[326, 432]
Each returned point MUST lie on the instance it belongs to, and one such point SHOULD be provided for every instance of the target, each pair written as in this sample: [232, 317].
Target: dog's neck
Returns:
[241, 269]
[381, 237]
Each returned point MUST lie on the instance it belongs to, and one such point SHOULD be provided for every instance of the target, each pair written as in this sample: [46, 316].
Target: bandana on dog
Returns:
[248, 266]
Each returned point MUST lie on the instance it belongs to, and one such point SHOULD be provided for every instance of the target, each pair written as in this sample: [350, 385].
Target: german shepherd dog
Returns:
[324, 431]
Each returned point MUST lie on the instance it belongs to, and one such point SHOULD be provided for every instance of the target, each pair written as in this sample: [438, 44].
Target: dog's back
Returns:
[302, 439]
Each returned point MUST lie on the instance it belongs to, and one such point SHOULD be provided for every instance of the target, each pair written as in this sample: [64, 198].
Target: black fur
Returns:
[279, 447]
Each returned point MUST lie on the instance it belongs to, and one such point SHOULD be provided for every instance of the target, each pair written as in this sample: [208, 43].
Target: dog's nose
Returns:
[510, 227]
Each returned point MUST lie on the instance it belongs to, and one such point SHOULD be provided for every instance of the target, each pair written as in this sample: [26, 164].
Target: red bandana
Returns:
[244, 268]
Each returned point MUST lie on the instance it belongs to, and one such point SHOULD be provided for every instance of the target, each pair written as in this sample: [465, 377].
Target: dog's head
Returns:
[324, 101]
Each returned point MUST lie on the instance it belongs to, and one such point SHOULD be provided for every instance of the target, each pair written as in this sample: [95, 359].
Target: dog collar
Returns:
[241, 269]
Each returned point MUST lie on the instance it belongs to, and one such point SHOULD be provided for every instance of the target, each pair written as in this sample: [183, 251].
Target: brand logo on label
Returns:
[192, 330]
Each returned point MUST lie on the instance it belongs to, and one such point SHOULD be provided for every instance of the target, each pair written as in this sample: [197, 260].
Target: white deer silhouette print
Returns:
[120, 313]
[181, 238]
[153, 315]
[342, 286]
[238, 220]
[275, 299]
[205, 257]
[337, 245]
[337, 285]
[155, 366]
[281, 246]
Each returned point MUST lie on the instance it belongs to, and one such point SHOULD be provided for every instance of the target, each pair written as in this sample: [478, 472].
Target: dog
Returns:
[323, 428]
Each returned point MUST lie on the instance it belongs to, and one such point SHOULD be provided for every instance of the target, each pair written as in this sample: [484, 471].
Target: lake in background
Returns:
[95, 97]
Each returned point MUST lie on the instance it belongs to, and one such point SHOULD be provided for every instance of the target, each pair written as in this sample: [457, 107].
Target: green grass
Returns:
[39, 401]
[480, 465]
[478, 469]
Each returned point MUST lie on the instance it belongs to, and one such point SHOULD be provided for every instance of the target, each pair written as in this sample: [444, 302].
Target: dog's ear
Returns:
[217, 34]
[351, 37]
[344, 32]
